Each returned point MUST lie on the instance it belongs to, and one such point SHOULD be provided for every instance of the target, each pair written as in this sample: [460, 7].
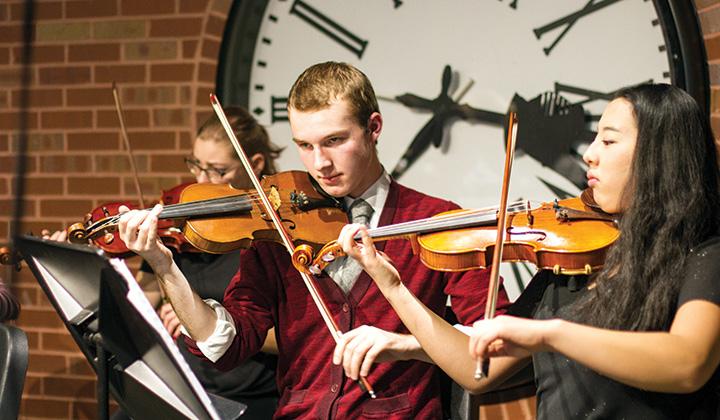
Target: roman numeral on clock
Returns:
[278, 109]
[589, 95]
[569, 21]
[327, 26]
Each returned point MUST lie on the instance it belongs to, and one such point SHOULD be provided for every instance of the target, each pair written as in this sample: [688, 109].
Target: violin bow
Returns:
[26, 69]
[494, 285]
[126, 140]
[284, 236]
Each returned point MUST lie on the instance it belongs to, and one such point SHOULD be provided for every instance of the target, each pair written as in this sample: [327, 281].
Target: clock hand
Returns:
[469, 113]
[413, 101]
[444, 109]
[432, 131]
[446, 79]
[434, 105]
[464, 111]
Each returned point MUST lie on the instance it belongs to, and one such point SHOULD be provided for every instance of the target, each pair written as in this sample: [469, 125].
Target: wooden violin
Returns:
[94, 230]
[169, 230]
[218, 218]
[568, 236]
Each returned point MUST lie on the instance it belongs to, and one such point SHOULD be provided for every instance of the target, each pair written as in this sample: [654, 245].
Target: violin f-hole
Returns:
[541, 235]
[290, 223]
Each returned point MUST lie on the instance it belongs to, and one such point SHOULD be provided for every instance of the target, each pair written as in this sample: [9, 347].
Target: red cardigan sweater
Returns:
[268, 291]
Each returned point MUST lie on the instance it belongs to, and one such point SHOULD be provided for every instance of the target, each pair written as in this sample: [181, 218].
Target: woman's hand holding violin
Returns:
[509, 336]
[170, 320]
[138, 229]
[58, 235]
[375, 263]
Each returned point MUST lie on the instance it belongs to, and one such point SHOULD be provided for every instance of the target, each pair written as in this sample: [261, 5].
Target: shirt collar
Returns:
[376, 196]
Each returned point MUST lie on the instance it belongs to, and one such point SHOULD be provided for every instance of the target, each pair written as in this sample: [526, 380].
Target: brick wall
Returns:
[709, 13]
[162, 53]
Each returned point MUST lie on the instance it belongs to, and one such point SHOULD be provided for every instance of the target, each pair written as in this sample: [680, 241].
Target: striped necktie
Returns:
[345, 271]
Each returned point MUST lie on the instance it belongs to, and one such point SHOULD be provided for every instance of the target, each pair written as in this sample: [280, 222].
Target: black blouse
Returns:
[569, 390]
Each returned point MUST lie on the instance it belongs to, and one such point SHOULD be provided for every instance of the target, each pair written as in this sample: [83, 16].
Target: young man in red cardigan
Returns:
[336, 124]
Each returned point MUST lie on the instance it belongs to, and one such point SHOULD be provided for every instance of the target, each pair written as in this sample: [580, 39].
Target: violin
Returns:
[105, 237]
[569, 236]
[169, 231]
[217, 218]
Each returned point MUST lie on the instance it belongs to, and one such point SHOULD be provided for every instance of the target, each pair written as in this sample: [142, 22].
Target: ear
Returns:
[258, 163]
[375, 124]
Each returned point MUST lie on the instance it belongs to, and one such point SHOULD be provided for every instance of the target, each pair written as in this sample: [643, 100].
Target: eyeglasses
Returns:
[213, 174]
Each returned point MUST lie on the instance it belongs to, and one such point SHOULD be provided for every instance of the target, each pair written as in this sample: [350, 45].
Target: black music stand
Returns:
[120, 334]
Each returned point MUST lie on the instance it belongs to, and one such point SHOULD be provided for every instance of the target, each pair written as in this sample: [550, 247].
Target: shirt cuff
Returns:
[221, 338]
[465, 329]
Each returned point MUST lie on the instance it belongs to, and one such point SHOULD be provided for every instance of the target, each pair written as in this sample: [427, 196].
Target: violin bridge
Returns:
[530, 216]
[274, 198]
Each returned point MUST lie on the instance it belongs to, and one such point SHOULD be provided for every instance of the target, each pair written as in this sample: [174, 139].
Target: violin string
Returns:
[201, 207]
[474, 218]
[253, 198]
[206, 207]
[428, 225]
[413, 225]
[238, 202]
[101, 224]
[453, 220]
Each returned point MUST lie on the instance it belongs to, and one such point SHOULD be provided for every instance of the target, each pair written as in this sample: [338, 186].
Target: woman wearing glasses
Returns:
[214, 160]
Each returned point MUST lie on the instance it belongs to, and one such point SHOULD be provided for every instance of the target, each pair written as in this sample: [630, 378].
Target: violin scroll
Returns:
[5, 255]
[303, 261]
[9, 257]
[100, 227]
[77, 234]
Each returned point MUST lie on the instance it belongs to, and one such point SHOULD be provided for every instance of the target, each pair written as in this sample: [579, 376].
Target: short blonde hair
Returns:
[319, 85]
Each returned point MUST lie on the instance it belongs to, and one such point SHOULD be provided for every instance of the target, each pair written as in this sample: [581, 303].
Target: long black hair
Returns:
[672, 206]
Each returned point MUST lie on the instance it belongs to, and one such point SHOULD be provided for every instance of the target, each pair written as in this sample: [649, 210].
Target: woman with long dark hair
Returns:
[641, 339]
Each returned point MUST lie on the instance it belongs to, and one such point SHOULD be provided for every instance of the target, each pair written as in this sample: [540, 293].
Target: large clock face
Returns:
[580, 50]
[548, 55]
